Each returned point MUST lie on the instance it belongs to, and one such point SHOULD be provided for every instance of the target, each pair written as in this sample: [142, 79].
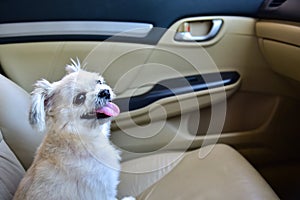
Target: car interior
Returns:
[209, 91]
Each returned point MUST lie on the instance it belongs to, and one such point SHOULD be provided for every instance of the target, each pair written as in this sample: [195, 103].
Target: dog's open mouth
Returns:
[108, 110]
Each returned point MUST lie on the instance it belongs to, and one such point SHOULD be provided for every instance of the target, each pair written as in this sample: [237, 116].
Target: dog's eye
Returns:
[79, 99]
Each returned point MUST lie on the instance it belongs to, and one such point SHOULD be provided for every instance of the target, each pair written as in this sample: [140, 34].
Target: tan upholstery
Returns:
[11, 171]
[16, 130]
[139, 174]
[223, 174]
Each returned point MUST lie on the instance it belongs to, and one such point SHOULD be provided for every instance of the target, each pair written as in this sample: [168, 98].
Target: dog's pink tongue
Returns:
[110, 109]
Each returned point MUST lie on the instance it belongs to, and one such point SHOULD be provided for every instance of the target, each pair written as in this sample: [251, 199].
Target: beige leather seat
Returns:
[11, 171]
[223, 174]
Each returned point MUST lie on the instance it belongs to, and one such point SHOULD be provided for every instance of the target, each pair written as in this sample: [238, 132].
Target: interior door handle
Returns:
[186, 35]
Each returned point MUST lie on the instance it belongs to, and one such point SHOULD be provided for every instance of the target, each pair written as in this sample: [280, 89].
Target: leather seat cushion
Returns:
[222, 174]
[11, 171]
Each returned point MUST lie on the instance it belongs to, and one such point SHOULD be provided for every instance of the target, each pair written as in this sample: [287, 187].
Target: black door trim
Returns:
[178, 86]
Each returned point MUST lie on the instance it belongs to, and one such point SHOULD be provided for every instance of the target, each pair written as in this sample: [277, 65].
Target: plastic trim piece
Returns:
[126, 29]
[177, 86]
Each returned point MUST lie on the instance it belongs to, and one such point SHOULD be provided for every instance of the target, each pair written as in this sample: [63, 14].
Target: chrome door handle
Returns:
[186, 36]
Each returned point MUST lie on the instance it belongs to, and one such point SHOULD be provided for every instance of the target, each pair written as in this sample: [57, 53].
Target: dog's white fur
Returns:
[75, 159]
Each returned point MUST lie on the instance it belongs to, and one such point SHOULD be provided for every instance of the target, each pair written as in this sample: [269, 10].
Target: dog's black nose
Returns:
[104, 94]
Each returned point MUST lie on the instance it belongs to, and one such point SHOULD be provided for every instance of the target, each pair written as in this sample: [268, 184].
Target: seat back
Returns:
[14, 124]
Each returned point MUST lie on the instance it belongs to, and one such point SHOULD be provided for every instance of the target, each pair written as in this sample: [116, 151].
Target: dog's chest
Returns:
[86, 179]
[83, 170]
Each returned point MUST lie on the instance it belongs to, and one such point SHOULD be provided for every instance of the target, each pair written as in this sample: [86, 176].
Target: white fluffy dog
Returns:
[76, 159]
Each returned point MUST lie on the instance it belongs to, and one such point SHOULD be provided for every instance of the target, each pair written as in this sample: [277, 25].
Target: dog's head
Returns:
[81, 98]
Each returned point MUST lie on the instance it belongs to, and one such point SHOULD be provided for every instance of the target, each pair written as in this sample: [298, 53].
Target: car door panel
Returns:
[257, 79]
[172, 123]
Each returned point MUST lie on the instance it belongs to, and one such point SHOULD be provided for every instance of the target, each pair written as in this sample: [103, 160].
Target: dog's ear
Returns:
[74, 66]
[39, 102]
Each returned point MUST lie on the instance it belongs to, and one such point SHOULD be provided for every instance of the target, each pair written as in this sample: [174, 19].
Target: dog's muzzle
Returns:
[104, 107]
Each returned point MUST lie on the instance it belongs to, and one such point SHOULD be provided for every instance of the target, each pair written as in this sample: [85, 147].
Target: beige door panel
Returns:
[235, 48]
[135, 68]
